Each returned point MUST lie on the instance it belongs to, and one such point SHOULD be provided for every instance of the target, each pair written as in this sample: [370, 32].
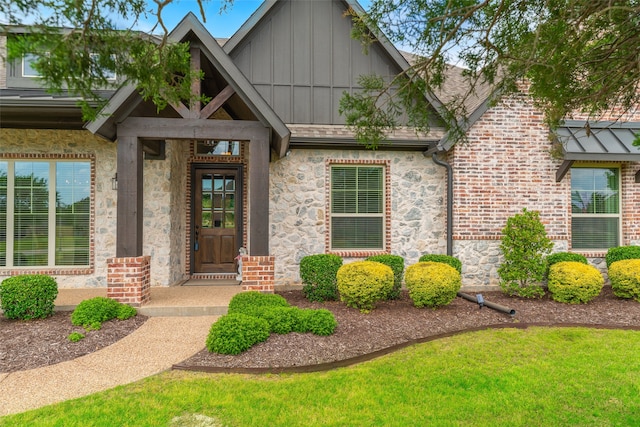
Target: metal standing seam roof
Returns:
[599, 141]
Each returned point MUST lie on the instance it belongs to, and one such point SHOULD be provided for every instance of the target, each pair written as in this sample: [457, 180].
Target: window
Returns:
[595, 207]
[357, 207]
[44, 213]
[105, 70]
[28, 69]
[215, 147]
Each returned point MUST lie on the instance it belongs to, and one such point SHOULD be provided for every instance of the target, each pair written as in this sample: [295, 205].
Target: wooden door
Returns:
[216, 220]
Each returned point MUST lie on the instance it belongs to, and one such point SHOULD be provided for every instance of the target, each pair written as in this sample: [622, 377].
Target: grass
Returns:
[533, 377]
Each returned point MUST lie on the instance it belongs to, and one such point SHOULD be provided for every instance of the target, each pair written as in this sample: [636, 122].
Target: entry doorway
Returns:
[216, 231]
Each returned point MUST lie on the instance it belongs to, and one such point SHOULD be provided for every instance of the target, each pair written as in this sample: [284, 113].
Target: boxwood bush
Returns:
[236, 332]
[28, 296]
[396, 263]
[625, 278]
[621, 253]
[566, 256]
[252, 302]
[318, 275]
[318, 322]
[362, 284]
[574, 282]
[91, 313]
[445, 259]
[432, 284]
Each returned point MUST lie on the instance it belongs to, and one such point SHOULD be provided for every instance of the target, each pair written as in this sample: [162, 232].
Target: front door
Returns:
[217, 221]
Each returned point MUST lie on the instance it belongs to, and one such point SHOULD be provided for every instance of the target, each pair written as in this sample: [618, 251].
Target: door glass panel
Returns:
[217, 201]
[206, 201]
[230, 201]
[206, 220]
[206, 183]
[217, 220]
[229, 220]
[218, 183]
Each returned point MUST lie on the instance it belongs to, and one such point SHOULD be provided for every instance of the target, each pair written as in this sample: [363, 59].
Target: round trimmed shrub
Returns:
[91, 313]
[625, 278]
[432, 284]
[445, 259]
[318, 274]
[28, 296]
[574, 283]
[566, 256]
[396, 263]
[621, 253]
[236, 332]
[282, 320]
[362, 284]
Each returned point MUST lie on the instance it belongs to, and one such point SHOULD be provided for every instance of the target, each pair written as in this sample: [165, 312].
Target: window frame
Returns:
[385, 215]
[52, 215]
[618, 215]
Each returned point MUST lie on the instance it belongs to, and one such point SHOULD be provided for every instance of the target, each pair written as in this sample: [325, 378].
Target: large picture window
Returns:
[595, 207]
[357, 207]
[44, 213]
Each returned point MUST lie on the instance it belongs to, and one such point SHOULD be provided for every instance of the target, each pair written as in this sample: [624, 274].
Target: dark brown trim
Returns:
[130, 196]
[259, 195]
[563, 169]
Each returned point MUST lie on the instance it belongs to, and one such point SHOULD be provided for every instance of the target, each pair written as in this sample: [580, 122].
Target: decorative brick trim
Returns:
[128, 280]
[387, 207]
[498, 237]
[213, 276]
[258, 273]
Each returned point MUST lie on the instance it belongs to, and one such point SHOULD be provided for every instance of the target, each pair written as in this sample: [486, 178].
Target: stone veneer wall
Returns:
[298, 206]
[507, 166]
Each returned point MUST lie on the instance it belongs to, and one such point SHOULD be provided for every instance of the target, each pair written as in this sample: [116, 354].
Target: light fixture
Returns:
[114, 182]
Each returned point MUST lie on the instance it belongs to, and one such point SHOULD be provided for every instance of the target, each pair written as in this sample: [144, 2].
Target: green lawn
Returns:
[534, 377]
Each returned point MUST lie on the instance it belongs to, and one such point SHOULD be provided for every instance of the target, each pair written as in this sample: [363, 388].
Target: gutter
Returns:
[443, 163]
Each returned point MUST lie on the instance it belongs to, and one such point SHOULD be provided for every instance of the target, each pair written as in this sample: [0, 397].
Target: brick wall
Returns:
[129, 280]
[258, 273]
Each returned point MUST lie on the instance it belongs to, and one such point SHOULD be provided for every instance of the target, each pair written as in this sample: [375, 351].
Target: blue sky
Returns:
[218, 24]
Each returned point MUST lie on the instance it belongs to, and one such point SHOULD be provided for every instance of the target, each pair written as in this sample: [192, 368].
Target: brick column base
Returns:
[258, 273]
[129, 280]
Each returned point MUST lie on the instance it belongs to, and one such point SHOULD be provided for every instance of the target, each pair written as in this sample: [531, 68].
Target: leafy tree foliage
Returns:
[79, 45]
[576, 55]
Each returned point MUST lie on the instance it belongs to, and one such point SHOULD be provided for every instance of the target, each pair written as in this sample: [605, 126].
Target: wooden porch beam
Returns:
[130, 207]
[161, 128]
[217, 102]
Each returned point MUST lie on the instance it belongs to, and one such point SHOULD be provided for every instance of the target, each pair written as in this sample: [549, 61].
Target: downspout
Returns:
[443, 163]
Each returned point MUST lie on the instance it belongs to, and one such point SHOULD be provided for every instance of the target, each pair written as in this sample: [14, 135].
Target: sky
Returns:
[219, 24]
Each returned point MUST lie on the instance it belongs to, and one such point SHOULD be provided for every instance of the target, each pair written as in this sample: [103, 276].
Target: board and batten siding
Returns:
[301, 59]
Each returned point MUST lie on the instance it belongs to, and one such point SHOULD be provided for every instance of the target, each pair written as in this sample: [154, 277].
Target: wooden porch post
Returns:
[259, 195]
[130, 210]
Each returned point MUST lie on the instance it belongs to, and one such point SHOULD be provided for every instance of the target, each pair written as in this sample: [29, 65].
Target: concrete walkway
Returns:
[154, 347]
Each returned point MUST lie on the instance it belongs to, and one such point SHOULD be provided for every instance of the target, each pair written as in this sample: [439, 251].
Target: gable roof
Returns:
[127, 98]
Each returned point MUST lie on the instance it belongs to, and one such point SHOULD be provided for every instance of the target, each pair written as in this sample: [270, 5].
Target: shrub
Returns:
[445, 259]
[362, 284]
[621, 253]
[396, 263]
[318, 275]
[75, 336]
[252, 303]
[574, 283]
[625, 278]
[235, 333]
[91, 313]
[318, 322]
[282, 320]
[524, 245]
[28, 296]
[566, 256]
[432, 284]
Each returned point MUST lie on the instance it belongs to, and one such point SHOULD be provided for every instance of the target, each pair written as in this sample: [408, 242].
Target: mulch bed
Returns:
[393, 324]
[36, 343]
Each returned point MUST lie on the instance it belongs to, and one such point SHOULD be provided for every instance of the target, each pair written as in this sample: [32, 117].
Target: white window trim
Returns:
[589, 215]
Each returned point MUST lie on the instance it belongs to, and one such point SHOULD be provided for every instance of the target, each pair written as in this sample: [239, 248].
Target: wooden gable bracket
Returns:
[196, 89]
[563, 169]
[216, 103]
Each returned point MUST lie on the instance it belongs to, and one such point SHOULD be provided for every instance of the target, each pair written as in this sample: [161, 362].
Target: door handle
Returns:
[196, 245]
